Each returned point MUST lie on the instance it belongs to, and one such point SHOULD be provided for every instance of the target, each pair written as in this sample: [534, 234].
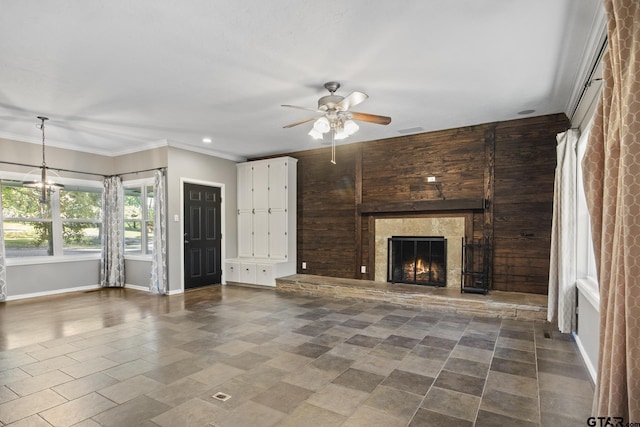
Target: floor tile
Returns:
[371, 417]
[408, 381]
[359, 380]
[130, 389]
[308, 415]
[375, 364]
[452, 403]
[329, 362]
[31, 385]
[310, 350]
[250, 414]
[491, 419]
[82, 369]
[364, 341]
[310, 378]
[511, 405]
[194, 412]
[513, 367]
[173, 371]
[178, 392]
[6, 394]
[31, 421]
[216, 374]
[514, 384]
[424, 418]
[460, 382]
[514, 354]
[401, 341]
[22, 407]
[77, 410]
[398, 403]
[85, 385]
[339, 399]
[129, 369]
[132, 413]
[468, 367]
[437, 342]
[283, 397]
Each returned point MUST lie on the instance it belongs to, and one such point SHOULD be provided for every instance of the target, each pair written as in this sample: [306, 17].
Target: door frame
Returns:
[221, 186]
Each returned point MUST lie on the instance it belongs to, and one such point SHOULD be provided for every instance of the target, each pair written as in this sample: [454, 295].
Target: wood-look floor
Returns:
[29, 321]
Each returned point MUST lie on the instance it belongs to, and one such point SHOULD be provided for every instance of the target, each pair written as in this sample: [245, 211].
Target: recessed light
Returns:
[523, 112]
[207, 140]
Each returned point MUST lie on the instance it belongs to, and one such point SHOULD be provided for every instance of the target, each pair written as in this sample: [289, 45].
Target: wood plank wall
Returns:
[334, 237]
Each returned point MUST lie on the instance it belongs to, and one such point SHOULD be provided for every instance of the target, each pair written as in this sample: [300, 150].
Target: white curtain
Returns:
[112, 264]
[562, 269]
[3, 265]
[159, 283]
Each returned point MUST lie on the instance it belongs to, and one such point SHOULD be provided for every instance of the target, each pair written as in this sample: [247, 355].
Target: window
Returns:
[138, 219]
[80, 211]
[69, 225]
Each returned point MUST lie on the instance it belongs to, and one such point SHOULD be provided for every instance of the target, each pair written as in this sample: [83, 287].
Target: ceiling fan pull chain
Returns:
[333, 146]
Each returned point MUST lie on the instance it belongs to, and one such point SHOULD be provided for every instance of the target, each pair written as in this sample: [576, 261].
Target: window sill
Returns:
[588, 287]
[147, 258]
[50, 259]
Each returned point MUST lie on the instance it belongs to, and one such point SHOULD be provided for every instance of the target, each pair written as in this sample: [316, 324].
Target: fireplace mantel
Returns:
[421, 206]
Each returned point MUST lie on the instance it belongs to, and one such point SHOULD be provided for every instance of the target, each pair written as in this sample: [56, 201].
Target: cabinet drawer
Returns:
[265, 275]
[248, 273]
[232, 272]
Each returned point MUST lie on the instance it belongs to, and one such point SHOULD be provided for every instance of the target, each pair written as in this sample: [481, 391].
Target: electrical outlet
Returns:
[363, 269]
[431, 179]
[176, 218]
[304, 265]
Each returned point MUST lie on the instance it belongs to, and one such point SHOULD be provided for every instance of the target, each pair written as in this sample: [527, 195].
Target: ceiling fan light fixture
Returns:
[315, 134]
[322, 125]
[350, 127]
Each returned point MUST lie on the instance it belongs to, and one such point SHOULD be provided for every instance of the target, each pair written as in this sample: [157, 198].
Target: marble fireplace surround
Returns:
[451, 227]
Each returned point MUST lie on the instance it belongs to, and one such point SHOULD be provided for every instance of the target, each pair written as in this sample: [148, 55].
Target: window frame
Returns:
[56, 224]
[144, 184]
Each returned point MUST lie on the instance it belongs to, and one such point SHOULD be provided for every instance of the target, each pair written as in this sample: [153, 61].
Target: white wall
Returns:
[188, 166]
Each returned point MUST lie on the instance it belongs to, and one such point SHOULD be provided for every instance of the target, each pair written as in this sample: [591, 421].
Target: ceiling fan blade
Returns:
[354, 98]
[371, 118]
[299, 108]
[299, 123]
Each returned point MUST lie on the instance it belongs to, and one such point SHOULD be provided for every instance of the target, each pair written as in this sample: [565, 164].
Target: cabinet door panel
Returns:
[278, 235]
[261, 186]
[245, 237]
[278, 185]
[245, 186]
[261, 234]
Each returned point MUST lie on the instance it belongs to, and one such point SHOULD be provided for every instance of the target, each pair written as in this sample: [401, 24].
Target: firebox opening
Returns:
[419, 260]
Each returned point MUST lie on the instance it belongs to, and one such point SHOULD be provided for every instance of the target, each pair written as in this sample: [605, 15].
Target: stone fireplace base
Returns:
[452, 228]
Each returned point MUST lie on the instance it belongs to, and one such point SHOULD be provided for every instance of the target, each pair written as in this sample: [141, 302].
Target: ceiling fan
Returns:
[335, 116]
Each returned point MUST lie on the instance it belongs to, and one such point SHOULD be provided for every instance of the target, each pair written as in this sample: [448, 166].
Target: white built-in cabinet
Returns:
[266, 222]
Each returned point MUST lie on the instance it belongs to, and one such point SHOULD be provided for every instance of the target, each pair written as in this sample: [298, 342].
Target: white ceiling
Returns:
[120, 76]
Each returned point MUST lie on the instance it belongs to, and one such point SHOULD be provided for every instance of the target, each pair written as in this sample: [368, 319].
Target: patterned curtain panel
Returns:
[611, 169]
[562, 272]
[159, 283]
[3, 265]
[112, 264]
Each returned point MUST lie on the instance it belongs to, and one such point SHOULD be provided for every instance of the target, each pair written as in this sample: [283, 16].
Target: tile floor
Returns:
[298, 361]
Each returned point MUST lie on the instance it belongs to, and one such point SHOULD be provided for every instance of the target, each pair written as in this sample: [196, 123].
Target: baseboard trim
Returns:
[53, 292]
[593, 372]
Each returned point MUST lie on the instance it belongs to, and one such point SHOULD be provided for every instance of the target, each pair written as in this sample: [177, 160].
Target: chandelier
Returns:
[45, 184]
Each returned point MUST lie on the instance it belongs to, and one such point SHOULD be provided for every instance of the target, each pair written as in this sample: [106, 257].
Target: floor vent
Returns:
[547, 334]
[223, 397]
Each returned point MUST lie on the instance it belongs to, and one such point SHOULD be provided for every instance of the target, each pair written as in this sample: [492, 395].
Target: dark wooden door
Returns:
[202, 237]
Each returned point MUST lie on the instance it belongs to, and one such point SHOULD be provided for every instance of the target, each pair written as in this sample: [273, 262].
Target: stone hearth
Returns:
[507, 305]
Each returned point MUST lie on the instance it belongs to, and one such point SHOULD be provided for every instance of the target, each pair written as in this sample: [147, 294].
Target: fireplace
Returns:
[419, 260]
